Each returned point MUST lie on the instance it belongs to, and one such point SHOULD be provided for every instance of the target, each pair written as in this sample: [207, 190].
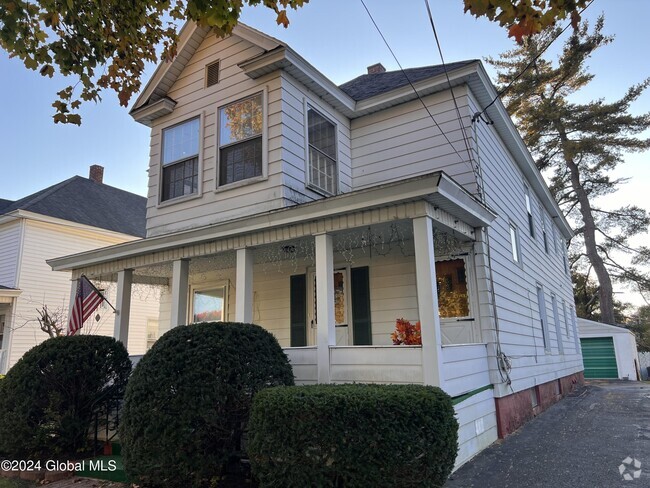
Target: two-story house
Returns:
[326, 213]
[75, 215]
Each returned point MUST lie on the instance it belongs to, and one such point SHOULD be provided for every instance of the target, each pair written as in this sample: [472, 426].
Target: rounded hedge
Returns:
[352, 436]
[49, 398]
[188, 401]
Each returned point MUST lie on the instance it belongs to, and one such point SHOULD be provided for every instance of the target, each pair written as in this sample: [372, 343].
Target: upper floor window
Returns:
[240, 140]
[544, 236]
[514, 242]
[323, 173]
[180, 159]
[529, 211]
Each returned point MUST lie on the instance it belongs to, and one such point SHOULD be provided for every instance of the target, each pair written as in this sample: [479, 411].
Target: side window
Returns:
[323, 171]
[514, 242]
[180, 160]
[541, 305]
[240, 140]
[209, 304]
[529, 211]
[542, 215]
[453, 294]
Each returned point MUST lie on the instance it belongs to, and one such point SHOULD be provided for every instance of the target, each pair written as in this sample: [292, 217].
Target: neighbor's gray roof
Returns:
[86, 202]
[366, 86]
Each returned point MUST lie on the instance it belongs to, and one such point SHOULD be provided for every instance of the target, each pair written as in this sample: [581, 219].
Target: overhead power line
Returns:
[530, 63]
[412, 86]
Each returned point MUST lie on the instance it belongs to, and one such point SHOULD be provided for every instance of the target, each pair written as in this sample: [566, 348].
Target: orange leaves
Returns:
[526, 18]
[406, 333]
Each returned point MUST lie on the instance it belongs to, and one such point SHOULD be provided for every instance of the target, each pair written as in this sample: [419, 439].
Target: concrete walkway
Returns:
[579, 442]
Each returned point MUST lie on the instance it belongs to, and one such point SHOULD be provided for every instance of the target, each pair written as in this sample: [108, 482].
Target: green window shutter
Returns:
[360, 291]
[298, 307]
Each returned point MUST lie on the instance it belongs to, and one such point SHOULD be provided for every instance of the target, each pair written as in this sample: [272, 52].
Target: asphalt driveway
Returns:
[579, 442]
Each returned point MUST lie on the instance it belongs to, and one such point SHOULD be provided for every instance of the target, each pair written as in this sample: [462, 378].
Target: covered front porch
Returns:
[329, 280]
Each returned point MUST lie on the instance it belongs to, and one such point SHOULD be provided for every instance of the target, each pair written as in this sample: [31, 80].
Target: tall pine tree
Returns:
[578, 145]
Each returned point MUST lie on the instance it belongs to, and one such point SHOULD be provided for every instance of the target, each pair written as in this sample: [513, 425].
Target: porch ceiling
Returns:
[451, 207]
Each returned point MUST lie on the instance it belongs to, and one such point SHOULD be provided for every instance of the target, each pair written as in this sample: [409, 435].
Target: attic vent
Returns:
[212, 74]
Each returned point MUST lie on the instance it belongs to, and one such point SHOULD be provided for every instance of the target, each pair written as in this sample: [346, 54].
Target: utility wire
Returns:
[451, 89]
[530, 63]
[410, 83]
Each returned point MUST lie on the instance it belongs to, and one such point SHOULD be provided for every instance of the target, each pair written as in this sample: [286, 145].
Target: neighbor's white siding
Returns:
[42, 286]
[515, 284]
[403, 141]
[10, 240]
[194, 99]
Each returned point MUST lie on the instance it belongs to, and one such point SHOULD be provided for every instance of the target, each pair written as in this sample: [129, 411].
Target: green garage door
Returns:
[599, 357]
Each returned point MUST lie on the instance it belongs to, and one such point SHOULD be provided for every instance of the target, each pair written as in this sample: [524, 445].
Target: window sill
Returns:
[173, 201]
[237, 184]
[320, 191]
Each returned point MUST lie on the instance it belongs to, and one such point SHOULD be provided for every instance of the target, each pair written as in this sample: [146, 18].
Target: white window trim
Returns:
[199, 189]
[308, 104]
[516, 244]
[209, 285]
[265, 138]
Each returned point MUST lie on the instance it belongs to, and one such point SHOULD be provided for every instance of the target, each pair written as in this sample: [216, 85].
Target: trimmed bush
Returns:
[189, 398]
[352, 436]
[49, 399]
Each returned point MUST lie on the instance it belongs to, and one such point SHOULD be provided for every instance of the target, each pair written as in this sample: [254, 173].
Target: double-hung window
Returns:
[529, 211]
[180, 159]
[514, 244]
[323, 173]
[240, 140]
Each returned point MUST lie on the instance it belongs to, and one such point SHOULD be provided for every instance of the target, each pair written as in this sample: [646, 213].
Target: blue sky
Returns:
[338, 38]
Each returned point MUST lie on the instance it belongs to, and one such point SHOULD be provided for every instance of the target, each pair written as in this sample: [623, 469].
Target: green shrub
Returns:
[188, 401]
[352, 436]
[49, 399]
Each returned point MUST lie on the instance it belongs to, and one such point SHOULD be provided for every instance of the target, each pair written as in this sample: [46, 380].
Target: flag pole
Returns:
[99, 292]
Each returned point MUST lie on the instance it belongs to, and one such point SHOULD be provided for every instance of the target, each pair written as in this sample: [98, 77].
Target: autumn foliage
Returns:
[406, 333]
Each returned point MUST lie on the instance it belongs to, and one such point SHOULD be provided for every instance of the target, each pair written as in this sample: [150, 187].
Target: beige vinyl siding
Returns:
[403, 141]
[9, 252]
[515, 285]
[210, 206]
[42, 286]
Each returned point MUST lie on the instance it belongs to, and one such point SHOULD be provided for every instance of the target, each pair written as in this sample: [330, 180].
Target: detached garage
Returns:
[608, 351]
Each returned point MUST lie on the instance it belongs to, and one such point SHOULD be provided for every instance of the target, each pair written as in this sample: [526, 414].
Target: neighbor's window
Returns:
[180, 159]
[240, 140]
[152, 332]
[322, 152]
[208, 305]
[453, 299]
[514, 242]
[529, 211]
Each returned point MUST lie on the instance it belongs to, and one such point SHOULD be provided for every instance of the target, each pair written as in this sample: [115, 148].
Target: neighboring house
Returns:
[608, 351]
[325, 213]
[73, 216]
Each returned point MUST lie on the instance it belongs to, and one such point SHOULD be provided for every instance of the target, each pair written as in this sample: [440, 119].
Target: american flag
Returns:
[86, 301]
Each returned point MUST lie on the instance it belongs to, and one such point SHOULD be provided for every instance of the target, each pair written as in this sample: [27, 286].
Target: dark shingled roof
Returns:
[2, 287]
[4, 203]
[366, 86]
[86, 202]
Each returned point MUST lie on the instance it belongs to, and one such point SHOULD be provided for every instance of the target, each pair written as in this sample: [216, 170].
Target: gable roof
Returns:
[369, 85]
[4, 203]
[83, 201]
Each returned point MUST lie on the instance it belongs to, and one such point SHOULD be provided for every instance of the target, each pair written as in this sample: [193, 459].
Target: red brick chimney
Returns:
[96, 173]
[376, 68]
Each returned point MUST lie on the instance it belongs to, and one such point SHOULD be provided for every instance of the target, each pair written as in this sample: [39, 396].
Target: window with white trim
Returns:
[209, 304]
[240, 140]
[180, 159]
[541, 305]
[514, 242]
[323, 171]
[529, 211]
[544, 236]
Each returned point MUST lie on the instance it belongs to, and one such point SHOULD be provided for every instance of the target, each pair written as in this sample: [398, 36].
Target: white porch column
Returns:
[180, 283]
[244, 283]
[123, 306]
[326, 331]
[425, 271]
[73, 294]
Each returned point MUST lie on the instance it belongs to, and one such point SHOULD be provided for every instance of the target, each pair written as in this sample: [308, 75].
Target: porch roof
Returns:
[449, 204]
[7, 294]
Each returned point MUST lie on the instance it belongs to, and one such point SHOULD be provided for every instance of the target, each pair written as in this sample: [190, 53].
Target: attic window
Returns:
[212, 74]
